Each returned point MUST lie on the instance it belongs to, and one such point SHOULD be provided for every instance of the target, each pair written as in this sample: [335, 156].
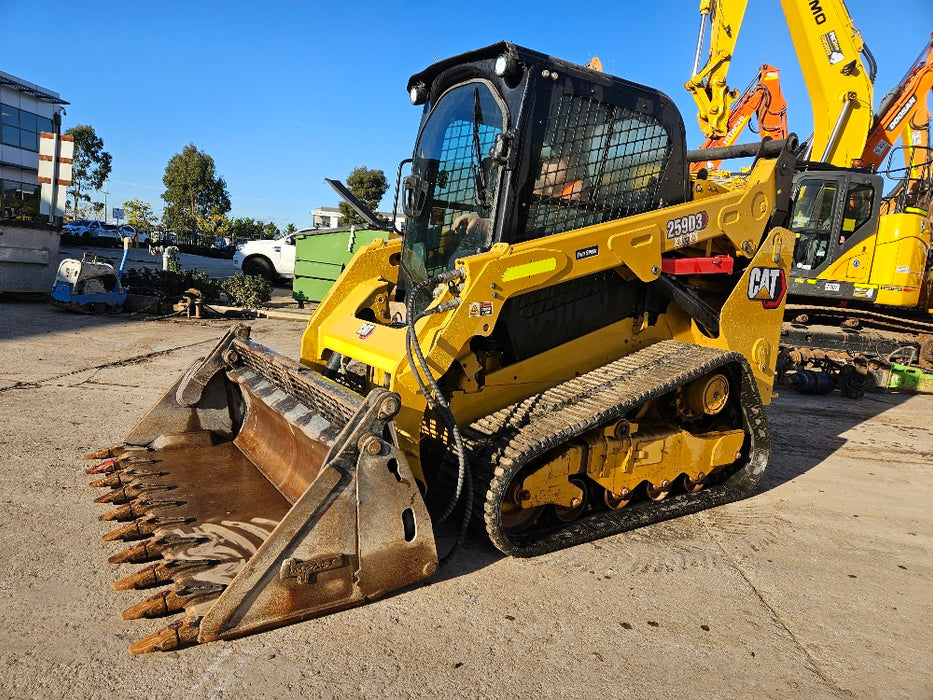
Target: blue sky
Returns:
[284, 94]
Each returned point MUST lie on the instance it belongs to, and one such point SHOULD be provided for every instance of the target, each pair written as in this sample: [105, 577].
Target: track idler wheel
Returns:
[567, 514]
[659, 492]
[515, 518]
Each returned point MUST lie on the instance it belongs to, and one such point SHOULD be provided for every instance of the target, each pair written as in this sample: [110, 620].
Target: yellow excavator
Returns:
[837, 67]
[570, 339]
[861, 284]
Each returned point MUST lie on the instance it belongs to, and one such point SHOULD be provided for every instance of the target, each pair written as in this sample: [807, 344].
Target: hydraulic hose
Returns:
[437, 402]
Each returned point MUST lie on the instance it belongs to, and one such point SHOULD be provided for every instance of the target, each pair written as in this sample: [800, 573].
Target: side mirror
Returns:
[414, 195]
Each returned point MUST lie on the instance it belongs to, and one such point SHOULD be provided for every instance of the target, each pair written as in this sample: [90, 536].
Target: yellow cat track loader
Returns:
[570, 339]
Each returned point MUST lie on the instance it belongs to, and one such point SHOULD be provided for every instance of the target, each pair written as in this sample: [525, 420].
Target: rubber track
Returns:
[502, 443]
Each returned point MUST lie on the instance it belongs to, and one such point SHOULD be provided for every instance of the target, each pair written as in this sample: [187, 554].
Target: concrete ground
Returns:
[819, 586]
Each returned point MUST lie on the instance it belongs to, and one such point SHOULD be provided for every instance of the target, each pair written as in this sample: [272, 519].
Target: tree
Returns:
[194, 194]
[245, 229]
[214, 224]
[90, 165]
[270, 230]
[139, 214]
[368, 186]
[290, 229]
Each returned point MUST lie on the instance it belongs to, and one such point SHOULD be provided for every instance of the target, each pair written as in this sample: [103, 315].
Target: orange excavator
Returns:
[762, 101]
[905, 115]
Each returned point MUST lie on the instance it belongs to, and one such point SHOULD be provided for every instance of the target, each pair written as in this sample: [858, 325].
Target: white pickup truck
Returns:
[271, 259]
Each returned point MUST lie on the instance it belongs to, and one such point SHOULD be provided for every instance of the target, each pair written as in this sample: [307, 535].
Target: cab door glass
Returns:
[454, 181]
[812, 222]
[857, 210]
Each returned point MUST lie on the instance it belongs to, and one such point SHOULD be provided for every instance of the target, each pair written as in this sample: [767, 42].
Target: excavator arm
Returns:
[837, 67]
[763, 99]
[903, 114]
[708, 84]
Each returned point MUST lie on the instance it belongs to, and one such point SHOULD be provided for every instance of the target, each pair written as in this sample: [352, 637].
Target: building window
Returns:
[18, 200]
[21, 128]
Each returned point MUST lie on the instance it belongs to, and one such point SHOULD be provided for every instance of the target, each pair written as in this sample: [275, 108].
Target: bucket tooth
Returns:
[171, 601]
[114, 480]
[125, 513]
[183, 632]
[114, 464]
[105, 452]
[158, 605]
[122, 494]
[152, 549]
[124, 478]
[138, 508]
[161, 574]
[111, 481]
[141, 553]
[147, 577]
[133, 489]
[142, 528]
[108, 466]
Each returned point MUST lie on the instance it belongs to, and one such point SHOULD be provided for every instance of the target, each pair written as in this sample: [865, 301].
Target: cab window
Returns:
[858, 209]
[812, 221]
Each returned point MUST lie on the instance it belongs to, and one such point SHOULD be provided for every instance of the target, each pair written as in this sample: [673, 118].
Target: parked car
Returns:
[128, 231]
[76, 227]
[271, 259]
[101, 234]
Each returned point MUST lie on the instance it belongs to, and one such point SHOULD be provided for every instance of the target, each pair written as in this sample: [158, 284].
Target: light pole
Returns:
[105, 193]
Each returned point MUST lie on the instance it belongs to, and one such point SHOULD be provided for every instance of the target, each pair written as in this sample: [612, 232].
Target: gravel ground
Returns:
[819, 586]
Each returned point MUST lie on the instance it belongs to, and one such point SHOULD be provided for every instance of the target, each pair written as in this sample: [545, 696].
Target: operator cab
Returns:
[515, 145]
[834, 214]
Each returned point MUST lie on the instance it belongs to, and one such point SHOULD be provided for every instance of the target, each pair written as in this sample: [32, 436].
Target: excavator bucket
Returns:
[256, 493]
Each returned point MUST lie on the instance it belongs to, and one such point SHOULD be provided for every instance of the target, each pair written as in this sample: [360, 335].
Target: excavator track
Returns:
[502, 444]
[866, 318]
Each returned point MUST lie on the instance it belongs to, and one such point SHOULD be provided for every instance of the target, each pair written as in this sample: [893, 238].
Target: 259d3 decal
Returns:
[684, 229]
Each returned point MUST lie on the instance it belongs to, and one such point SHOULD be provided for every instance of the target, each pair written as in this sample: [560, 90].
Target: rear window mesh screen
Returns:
[599, 162]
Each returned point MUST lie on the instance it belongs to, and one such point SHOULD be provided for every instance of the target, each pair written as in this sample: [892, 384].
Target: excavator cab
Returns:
[834, 212]
[849, 246]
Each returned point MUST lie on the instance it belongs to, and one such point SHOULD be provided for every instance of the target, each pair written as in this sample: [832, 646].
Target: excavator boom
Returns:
[904, 114]
[837, 68]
